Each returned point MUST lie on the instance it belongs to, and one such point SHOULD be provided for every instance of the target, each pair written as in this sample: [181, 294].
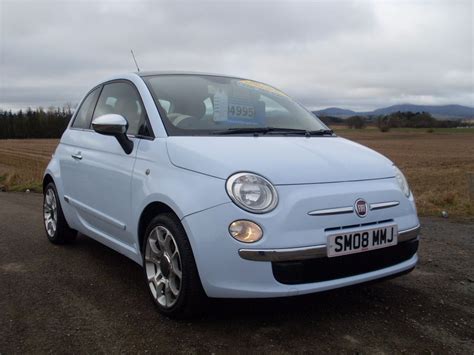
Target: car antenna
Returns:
[133, 56]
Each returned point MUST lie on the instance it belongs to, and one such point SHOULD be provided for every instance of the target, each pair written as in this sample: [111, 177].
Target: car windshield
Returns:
[214, 105]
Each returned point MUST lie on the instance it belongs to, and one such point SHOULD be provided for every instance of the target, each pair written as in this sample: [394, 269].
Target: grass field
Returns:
[436, 164]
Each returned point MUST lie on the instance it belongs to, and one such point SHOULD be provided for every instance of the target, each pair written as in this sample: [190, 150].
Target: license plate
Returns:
[351, 242]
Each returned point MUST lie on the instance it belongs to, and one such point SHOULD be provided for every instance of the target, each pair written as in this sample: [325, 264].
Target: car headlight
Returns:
[402, 181]
[252, 192]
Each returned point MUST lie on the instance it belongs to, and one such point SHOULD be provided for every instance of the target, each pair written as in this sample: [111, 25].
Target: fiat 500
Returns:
[223, 187]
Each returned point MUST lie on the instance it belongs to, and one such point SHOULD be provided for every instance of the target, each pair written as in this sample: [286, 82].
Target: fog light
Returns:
[245, 231]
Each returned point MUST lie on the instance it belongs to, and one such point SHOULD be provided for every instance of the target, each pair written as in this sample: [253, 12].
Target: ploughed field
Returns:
[436, 164]
[22, 162]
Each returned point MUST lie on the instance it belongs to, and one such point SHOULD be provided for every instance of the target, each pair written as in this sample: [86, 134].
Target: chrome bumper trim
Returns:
[380, 205]
[350, 209]
[317, 251]
[329, 211]
[409, 234]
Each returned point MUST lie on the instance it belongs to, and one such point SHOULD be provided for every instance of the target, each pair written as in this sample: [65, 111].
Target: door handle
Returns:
[77, 156]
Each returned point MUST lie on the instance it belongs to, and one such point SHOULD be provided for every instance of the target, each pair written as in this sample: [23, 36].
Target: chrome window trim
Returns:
[311, 252]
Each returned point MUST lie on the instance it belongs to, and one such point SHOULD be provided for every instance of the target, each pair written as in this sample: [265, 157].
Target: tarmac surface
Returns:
[84, 298]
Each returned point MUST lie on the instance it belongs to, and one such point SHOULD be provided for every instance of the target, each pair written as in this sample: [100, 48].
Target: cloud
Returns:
[355, 54]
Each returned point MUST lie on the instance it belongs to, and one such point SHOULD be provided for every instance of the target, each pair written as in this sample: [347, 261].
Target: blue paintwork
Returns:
[282, 160]
[104, 194]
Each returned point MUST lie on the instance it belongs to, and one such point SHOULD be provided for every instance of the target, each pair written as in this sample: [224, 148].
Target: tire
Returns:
[170, 270]
[55, 225]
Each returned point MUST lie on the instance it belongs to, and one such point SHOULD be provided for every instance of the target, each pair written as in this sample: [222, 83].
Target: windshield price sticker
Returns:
[239, 111]
[245, 111]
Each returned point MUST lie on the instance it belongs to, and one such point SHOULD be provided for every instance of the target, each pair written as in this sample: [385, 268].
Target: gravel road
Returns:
[87, 298]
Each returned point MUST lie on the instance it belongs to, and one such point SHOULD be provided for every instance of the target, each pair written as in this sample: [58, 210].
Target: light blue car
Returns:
[225, 187]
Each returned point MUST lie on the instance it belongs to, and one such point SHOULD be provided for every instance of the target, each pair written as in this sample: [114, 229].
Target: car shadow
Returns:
[126, 275]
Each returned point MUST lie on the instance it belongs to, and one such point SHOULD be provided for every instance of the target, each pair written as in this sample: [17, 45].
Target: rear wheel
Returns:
[55, 225]
[170, 270]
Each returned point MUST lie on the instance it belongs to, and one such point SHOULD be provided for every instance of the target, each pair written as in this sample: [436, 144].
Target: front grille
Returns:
[369, 224]
[323, 269]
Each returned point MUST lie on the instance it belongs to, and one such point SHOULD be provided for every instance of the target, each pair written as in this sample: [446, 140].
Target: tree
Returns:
[383, 123]
[34, 123]
[357, 122]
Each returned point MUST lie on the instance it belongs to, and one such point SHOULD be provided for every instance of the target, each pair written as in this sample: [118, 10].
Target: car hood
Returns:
[282, 160]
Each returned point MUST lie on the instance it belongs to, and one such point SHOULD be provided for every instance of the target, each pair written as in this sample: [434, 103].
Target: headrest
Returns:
[191, 107]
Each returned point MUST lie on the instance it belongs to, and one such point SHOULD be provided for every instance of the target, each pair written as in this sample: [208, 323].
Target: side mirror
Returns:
[114, 125]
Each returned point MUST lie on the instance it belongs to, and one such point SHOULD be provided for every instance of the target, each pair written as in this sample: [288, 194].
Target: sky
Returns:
[352, 54]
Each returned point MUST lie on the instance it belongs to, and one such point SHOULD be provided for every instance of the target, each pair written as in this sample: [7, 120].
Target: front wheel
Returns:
[170, 269]
[55, 225]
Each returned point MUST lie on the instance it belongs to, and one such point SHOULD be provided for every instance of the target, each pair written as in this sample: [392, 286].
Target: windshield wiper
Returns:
[263, 130]
[321, 132]
[266, 130]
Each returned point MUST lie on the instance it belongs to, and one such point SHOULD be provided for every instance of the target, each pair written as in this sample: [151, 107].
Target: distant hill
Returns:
[442, 112]
[335, 111]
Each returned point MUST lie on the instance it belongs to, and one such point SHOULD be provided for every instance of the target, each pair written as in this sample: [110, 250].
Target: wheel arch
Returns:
[148, 213]
[46, 180]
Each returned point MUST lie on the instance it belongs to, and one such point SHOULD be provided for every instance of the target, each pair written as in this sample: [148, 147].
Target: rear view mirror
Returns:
[114, 125]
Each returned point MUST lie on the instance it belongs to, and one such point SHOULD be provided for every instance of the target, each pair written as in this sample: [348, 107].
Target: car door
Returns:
[72, 144]
[102, 191]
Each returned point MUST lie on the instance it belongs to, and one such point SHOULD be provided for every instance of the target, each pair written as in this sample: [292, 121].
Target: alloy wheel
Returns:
[50, 212]
[163, 266]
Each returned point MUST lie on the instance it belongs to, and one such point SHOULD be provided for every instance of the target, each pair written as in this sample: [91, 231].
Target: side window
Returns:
[84, 115]
[122, 99]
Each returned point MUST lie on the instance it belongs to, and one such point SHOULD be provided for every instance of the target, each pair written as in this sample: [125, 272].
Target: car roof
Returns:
[170, 72]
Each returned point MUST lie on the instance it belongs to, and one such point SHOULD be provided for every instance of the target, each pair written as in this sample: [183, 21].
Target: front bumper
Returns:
[230, 269]
[325, 269]
[304, 253]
